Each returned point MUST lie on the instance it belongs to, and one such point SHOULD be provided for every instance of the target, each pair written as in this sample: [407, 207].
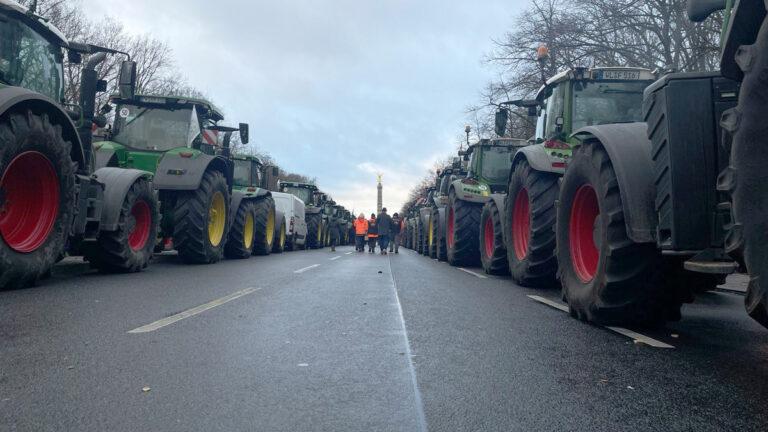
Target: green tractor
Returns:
[314, 201]
[52, 201]
[486, 174]
[257, 226]
[652, 213]
[177, 139]
[437, 241]
[568, 101]
[423, 233]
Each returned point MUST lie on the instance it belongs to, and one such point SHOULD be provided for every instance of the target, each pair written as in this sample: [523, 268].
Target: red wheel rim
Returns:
[142, 217]
[30, 191]
[488, 237]
[451, 240]
[584, 213]
[521, 224]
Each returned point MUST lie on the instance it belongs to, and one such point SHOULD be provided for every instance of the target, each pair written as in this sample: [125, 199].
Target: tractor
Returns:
[652, 213]
[177, 139]
[313, 200]
[437, 246]
[570, 100]
[423, 223]
[257, 227]
[52, 200]
[486, 174]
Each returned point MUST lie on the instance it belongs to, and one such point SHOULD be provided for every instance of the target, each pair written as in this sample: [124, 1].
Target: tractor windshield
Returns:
[303, 194]
[603, 102]
[29, 60]
[242, 174]
[496, 164]
[150, 128]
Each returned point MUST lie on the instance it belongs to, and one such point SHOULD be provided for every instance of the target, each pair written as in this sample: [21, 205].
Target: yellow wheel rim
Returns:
[270, 228]
[282, 239]
[248, 231]
[429, 241]
[217, 219]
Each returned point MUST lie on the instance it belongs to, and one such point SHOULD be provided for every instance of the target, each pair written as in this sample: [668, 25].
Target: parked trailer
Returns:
[52, 201]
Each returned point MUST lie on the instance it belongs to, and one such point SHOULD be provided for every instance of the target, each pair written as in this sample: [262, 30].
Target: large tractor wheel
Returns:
[314, 231]
[493, 253]
[419, 237]
[280, 243]
[530, 235]
[37, 197]
[264, 226]
[606, 277]
[130, 247]
[746, 177]
[201, 221]
[462, 232]
[241, 234]
[438, 235]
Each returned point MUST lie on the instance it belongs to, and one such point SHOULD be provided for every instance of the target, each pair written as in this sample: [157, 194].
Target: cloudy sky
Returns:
[338, 90]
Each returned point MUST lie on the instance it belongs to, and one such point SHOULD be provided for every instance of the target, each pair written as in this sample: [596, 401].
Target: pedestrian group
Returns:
[383, 229]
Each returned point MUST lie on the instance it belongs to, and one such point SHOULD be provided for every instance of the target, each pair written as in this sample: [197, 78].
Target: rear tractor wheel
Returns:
[37, 197]
[201, 221]
[493, 253]
[462, 233]
[264, 226]
[241, 235]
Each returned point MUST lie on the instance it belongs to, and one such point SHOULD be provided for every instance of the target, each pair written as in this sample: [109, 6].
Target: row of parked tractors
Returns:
[162, 177]
[639, 191]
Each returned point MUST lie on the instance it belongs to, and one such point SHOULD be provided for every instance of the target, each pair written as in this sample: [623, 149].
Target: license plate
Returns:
[621, 75]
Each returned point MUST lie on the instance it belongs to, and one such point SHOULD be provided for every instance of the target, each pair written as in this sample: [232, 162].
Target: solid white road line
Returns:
[635, 336]
[472, 273]
[336, 257]
[302, 270]
[548, 302]
[192, 312]
[408, 354]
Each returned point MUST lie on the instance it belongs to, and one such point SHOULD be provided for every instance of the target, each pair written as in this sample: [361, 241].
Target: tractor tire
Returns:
[606, 277]
[130, 247]
[264, 226]
[462, 232]
[201, 221]
[493, 253]
[314, 231]
[441, 254]
[37, 196]
[280, 243]
[746, 177]
[419, 238]
[530, 214]
[240, 241]
[432, 237]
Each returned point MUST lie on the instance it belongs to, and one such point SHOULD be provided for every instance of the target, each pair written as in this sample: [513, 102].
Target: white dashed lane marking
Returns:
[472, 273]
[336, 257]
[302, 270]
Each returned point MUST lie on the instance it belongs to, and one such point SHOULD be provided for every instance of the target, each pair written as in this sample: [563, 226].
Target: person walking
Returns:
[397, 227]
[373, 233]
[334, 229]
[361, 229]
[384, 222]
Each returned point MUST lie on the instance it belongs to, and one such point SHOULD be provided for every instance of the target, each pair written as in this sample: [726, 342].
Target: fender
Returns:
[117, 182]
[536, 157]
[178, 173]
[629, 150]
[746, 18]
[18, 97]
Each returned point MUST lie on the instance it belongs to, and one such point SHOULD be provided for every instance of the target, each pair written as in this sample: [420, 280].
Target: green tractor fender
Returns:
[629, 150]
[117, 182]
[13, 98]
[175, 172]
[537, 158]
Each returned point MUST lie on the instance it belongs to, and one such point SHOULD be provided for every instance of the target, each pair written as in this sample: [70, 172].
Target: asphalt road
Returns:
[323, 341]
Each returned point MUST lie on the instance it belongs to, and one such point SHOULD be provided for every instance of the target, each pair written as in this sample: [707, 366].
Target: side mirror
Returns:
[699, 10]
[533, 111]
[502, 116]
[127, 80]
[243, 133]
[101, 85]
[74, 57]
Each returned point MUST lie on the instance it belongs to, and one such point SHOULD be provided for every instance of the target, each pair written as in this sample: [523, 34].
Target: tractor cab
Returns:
[247, 172]
[303, 191]
[489, 165]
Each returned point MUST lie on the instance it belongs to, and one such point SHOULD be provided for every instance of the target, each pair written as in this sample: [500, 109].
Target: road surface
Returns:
[324, 341]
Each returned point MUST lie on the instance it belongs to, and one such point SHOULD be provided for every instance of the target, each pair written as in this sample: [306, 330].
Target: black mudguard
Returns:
[629, 149]
[746, 18]
[117, 182]
[17, 97]
[178, 173]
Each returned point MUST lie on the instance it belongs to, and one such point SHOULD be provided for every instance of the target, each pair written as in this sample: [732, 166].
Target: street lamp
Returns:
[467, 129]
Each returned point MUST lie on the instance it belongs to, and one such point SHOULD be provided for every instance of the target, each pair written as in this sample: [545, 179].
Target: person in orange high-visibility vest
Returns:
[373, 233]
[361, 229]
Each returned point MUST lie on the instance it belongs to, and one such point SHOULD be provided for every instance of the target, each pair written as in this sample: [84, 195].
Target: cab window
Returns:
[555, 104]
